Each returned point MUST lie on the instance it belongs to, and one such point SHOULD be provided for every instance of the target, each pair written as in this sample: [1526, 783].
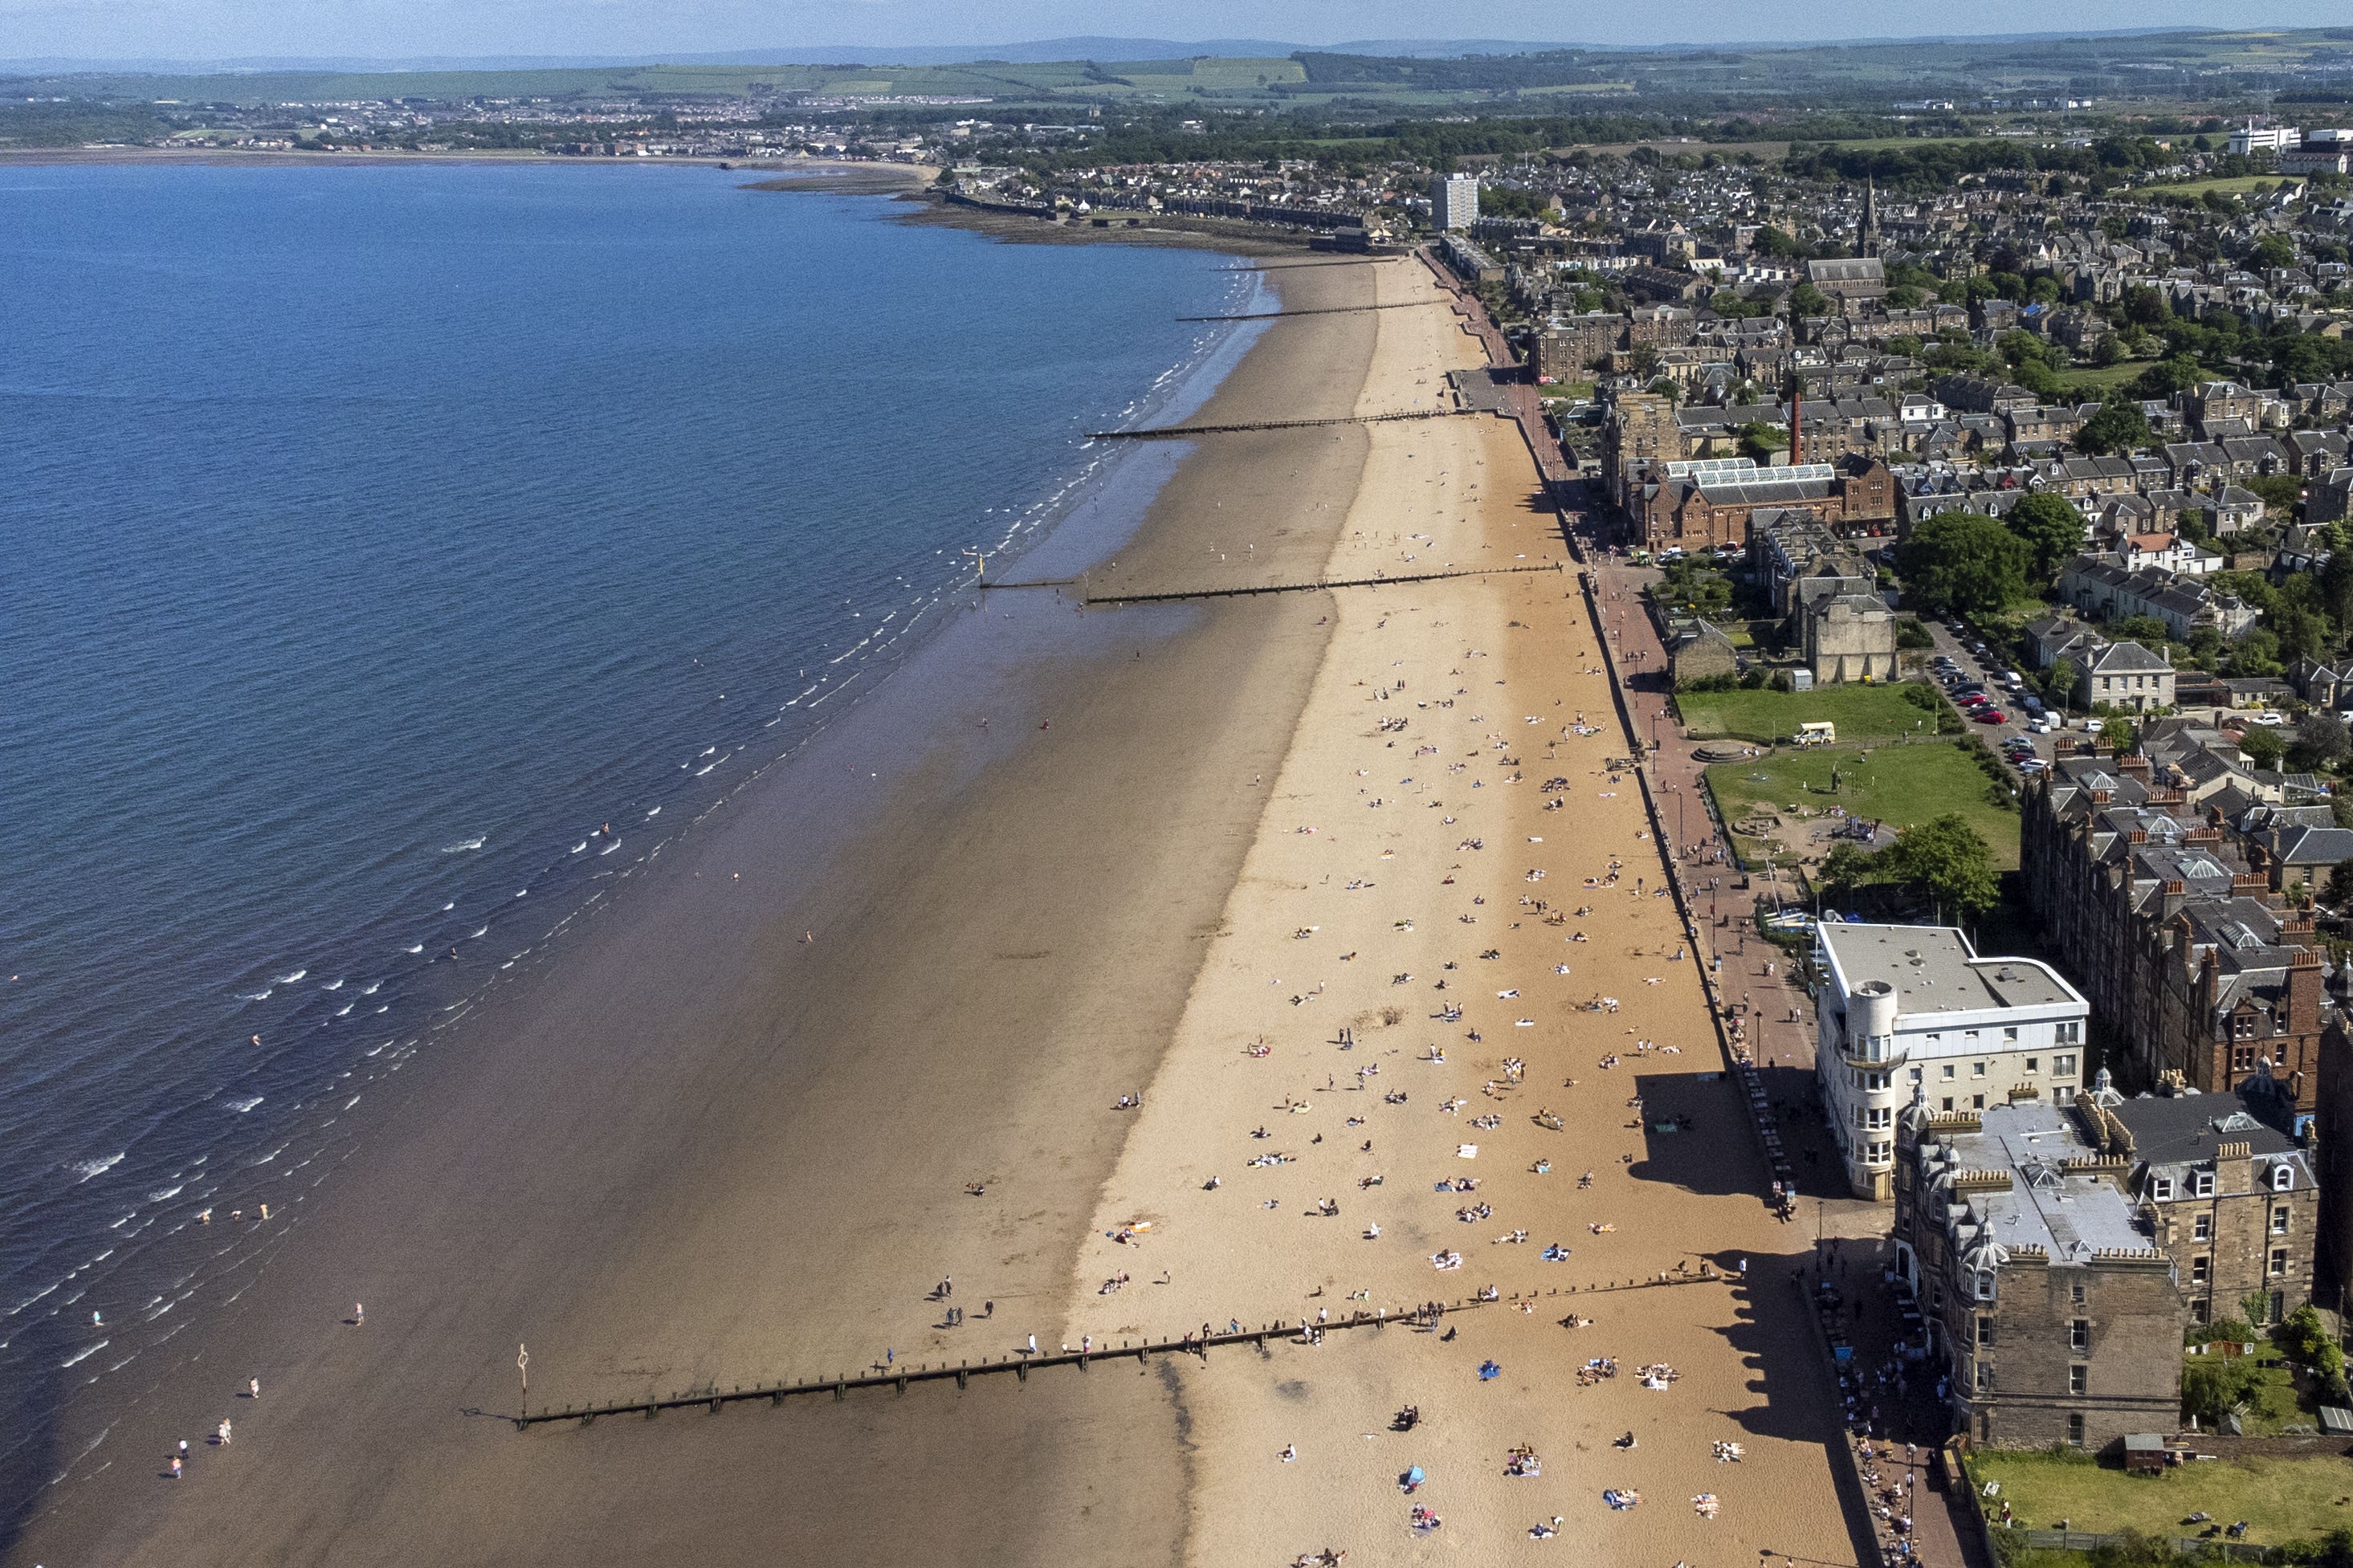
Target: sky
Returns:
[227, 29]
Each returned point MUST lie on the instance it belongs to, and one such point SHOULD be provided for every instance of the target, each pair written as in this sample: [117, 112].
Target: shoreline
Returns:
[470, 1177]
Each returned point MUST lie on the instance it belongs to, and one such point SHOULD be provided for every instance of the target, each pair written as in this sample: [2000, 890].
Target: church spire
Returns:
[1867, 237]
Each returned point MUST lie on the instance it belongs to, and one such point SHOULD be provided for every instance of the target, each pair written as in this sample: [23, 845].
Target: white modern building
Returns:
[1453, 200]
[1907, 1011]
[2274, 139]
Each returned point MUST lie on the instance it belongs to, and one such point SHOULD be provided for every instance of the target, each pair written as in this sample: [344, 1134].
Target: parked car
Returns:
[2040, 724]
[1990, 716]
[2267, 719]
[2032, 765]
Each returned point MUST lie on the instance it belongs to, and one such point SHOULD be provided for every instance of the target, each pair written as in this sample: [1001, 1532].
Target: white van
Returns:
[1820, 732]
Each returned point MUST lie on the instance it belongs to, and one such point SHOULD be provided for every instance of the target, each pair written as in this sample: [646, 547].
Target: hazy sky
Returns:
[198, 29]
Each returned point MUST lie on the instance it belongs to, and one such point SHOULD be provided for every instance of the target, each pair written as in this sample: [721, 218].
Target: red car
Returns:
[1990, 716]
[1975, 700]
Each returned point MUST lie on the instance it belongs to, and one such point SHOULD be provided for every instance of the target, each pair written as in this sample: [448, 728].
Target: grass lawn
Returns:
[1861, 712]
[2284, 1498]
[1898, 785]
[2237, 186]
[2100, 377]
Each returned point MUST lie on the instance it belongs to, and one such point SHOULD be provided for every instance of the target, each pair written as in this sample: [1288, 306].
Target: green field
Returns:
[1860, 713]
[1898, 785]
[2237, 186]
[2282, 1498]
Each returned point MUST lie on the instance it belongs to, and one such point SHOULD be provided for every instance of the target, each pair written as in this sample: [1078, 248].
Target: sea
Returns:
[397, 555]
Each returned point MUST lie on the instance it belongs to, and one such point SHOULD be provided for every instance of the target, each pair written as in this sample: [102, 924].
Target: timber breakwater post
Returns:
[1197, 1343]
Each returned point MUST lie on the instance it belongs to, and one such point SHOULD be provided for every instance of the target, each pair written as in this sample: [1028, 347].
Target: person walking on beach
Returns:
[175, 1466]
[253, 1388]
[184, 1448]
[359, 1314]
[224, 1435]
[1033, 1345]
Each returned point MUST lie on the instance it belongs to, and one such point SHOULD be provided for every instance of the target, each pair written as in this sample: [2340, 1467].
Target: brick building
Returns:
[2051, 1308]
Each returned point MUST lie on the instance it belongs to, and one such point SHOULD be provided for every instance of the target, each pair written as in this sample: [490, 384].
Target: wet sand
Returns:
[699, 1151]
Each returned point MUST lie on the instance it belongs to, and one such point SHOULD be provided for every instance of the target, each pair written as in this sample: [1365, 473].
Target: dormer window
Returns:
[2161, 1189]
[1985, 1285]
[2201, 1183]
[2283, 1177]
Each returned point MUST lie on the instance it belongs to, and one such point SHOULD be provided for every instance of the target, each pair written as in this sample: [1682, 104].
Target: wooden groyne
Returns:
[1254, 590]
[1287, 266]
[1326, 310]
[1180, 431]
[1198, 1344]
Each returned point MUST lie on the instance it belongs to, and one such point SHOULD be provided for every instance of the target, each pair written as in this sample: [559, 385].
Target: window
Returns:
[2279, 1220]
[2202, 1229]
[1985, 1330]
[2075, 1294]
[1985, 1376]
[2243, 1026]
[2075, 1431]
[2079, 1334]
[1915, 1075]
[2079, 1379]
[2198, 1269]
[1880, 1152]
[2279, 1306]
[1948, 1102]
[2198, 1311]
[2161, 1189]
[2201, 1183]
[1976, 1069]
[2033, 1064]
[2069, 1034]
[2282, 1178]
[2065, 1066]
[1976, 1103]
[1949, 1073]
[2242, 1059]
[1874, 1081]
[2279, 1262]
[1985, 1286]
[2010, 1034]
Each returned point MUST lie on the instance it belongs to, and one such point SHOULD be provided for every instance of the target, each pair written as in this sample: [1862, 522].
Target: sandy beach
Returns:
[735, 1132]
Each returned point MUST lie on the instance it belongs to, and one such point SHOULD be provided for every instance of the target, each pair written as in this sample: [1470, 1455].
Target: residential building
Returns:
[2052, 1312]
[2229, 1190]
[1454, 202]
[2124, 675]
[1913, 1011]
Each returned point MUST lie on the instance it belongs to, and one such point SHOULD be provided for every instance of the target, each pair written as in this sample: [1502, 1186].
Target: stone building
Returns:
[1849, 637]
[1639, 431]
[2229, 1190]
[2051, 1309]
[2196, 976]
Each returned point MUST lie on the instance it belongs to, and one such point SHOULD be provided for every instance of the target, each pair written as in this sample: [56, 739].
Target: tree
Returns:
[2118, 426]
[1960, 561]
[2169, 376]
[2052, 528]
[2213, 1387]
[2272, 250]
[2263, 748]
[1945, 860]
[2321, 741]
[2059, 682]
[2120, 733]
[1808, 301]
[2338, 893]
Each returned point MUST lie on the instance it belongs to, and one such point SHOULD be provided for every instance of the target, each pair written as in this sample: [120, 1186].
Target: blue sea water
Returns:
[396, 555]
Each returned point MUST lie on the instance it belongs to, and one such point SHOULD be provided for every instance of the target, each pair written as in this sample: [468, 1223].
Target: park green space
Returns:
[1898, 785]
[2238, 185]
[2285, 1498]
[1860, 713]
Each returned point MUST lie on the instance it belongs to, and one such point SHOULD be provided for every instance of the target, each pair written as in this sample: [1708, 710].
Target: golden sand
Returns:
[1404, 867]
